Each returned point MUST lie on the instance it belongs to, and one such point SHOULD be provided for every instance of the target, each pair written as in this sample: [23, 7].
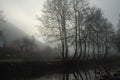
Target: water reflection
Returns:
[98, 74]
[79, 75]
[69, 76]
[58, 72]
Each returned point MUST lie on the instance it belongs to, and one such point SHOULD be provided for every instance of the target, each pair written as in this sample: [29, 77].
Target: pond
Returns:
[58, 71]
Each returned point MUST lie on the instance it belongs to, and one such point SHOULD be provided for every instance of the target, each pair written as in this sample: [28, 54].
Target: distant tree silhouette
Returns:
[24, 44]
[3, 41]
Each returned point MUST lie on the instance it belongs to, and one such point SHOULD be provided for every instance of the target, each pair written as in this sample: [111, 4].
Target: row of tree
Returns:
[74, 25]
[75, 28]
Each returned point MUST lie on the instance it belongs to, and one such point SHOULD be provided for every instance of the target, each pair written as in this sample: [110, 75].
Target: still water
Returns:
[62, 71]
[88, 75]
[68, 76]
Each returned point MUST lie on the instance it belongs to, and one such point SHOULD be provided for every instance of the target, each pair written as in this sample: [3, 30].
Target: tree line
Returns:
[76, 27]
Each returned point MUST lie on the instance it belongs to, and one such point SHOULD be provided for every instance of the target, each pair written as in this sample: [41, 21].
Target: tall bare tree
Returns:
[56, 16]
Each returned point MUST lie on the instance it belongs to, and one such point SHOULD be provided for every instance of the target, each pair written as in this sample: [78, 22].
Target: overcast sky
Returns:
[22, 13]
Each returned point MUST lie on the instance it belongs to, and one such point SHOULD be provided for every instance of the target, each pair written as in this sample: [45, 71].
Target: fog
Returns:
[23, 13]
[60, 39]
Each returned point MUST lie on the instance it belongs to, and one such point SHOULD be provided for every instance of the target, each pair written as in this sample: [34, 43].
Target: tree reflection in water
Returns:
[80, 75]
[99, 74]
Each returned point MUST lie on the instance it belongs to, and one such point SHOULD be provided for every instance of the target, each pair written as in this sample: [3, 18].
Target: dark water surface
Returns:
[58, 71]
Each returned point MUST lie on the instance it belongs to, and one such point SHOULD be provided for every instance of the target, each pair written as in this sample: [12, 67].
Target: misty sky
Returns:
[22, 13]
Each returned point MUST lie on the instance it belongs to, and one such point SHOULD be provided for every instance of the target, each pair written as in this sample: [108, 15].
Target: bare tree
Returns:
[80, 8]
[73, 23]
[55, 19]
[117, 36]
